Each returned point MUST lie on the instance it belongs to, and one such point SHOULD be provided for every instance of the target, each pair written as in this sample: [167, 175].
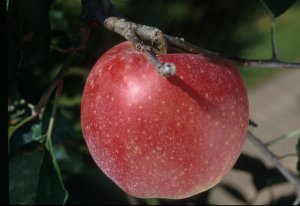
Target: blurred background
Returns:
[233, 28]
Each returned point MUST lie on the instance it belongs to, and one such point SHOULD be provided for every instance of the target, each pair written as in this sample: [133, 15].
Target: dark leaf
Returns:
[298, 152]
[24, 169]
[234, 192]
[262, 176]
[50, 188]
[33, 177]
[66, 141]
[31, 131]
[278, 7]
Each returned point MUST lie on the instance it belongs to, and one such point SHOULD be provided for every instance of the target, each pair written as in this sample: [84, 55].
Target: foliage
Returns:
[55, 167]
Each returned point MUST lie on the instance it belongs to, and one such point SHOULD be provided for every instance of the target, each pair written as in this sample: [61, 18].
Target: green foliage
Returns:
[33, 179]
[51, 189]
[24, 170]
[20, 117]
[278, 7]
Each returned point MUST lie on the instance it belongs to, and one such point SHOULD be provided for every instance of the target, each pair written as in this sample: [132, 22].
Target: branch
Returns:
[273, 158]
[265, 63]
[290, 134]
[181, 45]
[150, 35]
[151, 41]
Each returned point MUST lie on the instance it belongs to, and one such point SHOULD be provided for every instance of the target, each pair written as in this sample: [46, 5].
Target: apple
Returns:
[164, 137]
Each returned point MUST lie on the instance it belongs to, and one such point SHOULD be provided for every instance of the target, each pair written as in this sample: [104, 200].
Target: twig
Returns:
[103, 12]
[272, 157]
[287, 156]
[265, 63]
[291, 134]
[181, 44]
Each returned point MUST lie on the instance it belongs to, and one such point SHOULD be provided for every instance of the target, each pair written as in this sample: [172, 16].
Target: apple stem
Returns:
[165, 69]
[274, 159]
[131, 31]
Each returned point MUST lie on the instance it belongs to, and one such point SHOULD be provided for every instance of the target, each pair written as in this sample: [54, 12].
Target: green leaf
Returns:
[33, 177]
[66, 142]
[55, 186]
[278, 7]
[50, 189]
[298, 152]
[28, 130]
[24, 170]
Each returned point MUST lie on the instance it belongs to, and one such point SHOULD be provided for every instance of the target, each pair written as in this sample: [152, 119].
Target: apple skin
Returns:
[159, 137]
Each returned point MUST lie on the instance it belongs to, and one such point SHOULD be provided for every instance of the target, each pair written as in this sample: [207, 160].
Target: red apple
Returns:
[164, 137]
